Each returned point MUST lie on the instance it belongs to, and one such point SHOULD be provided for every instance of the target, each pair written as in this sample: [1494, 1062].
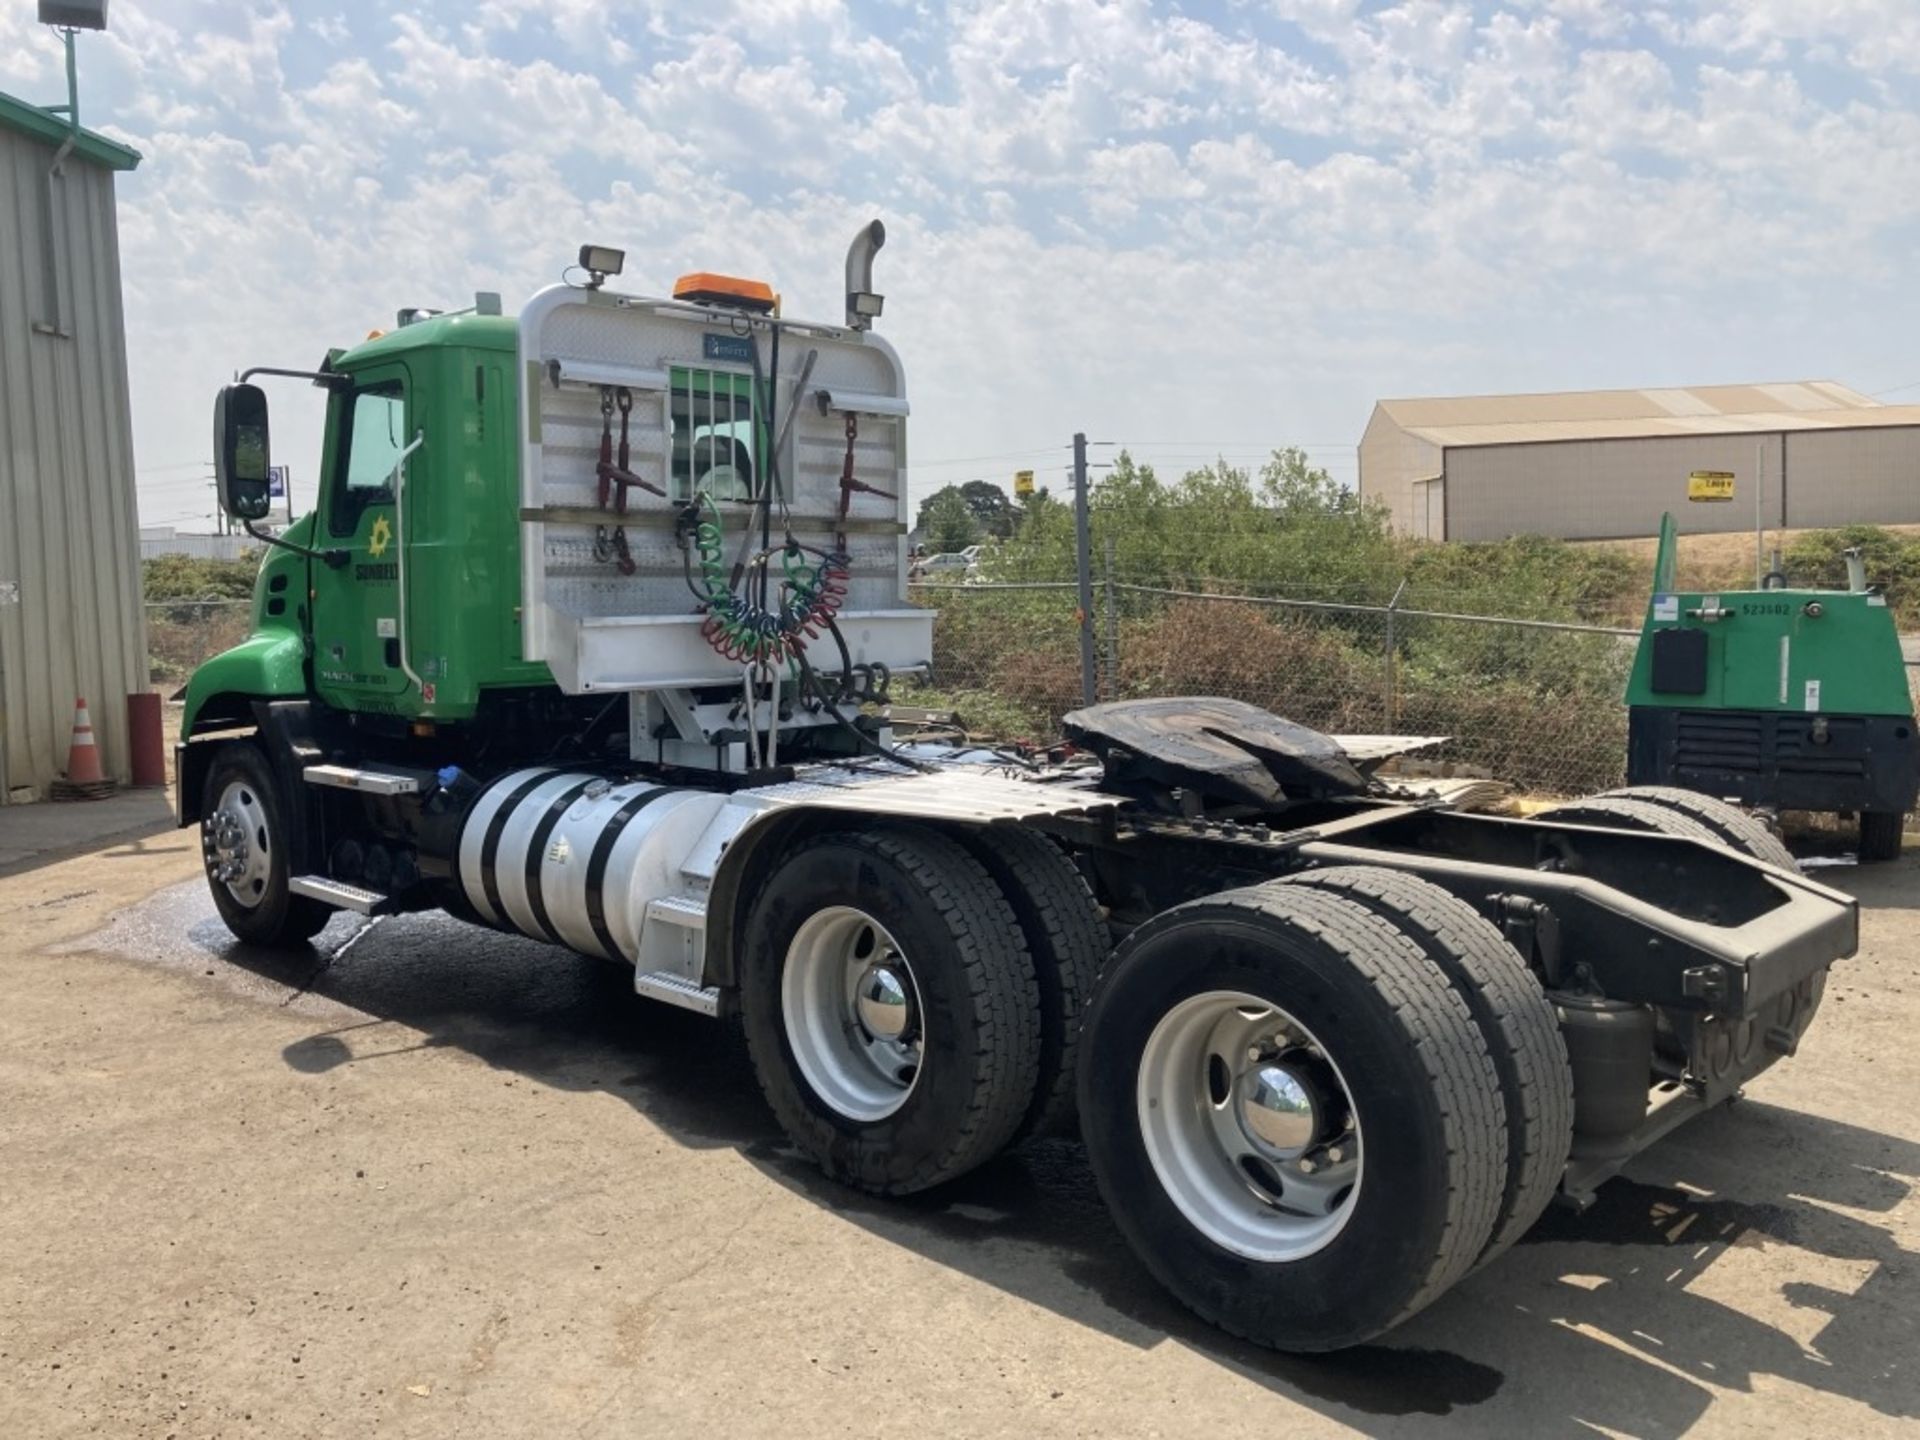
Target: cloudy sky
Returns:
[1200, 229]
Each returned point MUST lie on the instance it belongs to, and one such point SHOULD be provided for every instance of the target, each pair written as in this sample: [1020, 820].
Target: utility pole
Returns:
[1083, 556]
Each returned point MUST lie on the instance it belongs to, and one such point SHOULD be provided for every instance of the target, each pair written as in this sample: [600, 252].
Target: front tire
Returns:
[890, 1008]
[244, 847]
[1292, 1115]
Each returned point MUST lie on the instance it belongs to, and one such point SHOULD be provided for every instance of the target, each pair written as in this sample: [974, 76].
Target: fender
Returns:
[759, 825]
[267, 665]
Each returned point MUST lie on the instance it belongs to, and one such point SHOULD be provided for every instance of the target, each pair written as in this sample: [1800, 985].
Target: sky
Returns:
[1201, 230]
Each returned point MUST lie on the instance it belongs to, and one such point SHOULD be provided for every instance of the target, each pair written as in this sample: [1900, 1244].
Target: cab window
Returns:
[715, 434]
[374, 428]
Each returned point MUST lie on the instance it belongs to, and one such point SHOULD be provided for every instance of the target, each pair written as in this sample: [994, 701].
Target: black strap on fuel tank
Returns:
[536, 856]
[597, 866]
[490, 847]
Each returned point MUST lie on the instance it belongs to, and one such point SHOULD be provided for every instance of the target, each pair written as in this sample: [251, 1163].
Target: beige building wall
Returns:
[1606, 489]
[1392, 463]
[1853, 477]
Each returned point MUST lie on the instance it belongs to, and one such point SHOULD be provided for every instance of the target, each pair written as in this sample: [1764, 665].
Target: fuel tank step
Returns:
[341, 895]
[677, 990]
[368, 782]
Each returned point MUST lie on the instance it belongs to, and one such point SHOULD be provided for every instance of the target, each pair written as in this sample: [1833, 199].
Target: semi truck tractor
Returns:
[590, 636]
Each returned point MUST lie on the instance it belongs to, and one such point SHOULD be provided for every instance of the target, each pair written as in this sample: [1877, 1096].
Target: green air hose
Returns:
[811, 594]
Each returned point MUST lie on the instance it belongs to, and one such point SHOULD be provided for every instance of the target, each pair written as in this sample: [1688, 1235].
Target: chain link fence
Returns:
[1533, 702]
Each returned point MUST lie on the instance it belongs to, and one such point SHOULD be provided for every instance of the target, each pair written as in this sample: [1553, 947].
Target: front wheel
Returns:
[1292, 1115]
[243, 843]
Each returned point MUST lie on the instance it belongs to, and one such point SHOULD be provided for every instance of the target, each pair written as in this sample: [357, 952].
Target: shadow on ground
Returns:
[1591, 1319]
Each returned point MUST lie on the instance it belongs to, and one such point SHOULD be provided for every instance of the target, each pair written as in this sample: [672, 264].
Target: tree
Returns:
[993, 512]
[947, 522]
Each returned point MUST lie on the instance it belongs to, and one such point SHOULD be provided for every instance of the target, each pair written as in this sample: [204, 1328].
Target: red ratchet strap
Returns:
[847, 483]
[610, 472]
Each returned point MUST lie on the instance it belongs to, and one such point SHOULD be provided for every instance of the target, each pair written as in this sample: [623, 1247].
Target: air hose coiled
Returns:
[812, 593]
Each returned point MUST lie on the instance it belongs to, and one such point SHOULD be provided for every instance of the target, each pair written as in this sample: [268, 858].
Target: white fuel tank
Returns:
[573, 859]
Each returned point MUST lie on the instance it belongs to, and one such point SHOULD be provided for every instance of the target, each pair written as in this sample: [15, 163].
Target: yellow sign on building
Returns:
[1710, 485]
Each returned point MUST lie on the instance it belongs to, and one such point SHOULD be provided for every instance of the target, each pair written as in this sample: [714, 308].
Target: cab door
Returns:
[356, 606]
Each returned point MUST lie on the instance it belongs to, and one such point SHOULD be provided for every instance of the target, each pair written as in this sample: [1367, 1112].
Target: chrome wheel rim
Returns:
[852, 1013]
[1250, 1126]
[238, 844]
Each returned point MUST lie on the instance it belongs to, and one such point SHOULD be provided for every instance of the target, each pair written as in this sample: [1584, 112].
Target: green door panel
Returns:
[356, 606]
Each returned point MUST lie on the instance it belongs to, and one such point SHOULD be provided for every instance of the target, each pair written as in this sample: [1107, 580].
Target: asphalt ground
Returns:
[428, 1180]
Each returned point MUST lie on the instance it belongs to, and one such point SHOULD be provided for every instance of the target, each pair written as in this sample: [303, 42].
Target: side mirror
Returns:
[241, 452]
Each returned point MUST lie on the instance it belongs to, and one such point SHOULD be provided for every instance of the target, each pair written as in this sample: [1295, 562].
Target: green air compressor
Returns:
[1777, 698]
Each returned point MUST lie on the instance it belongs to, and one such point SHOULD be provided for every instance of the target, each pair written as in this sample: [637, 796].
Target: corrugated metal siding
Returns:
[1604, 489]
[1391, 461]
[1607, 489]
[1854, 477]
[69, 533]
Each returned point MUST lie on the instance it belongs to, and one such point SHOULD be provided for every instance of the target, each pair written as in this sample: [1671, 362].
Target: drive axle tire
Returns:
[1521, 1030]
[1620, 812]
[1292, 1115]
[1735, 827]
[1880, 835]
[890, 1007]
[1067, 937]
[244, 848]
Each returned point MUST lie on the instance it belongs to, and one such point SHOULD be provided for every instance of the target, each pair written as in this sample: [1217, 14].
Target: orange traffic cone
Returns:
[83, 759]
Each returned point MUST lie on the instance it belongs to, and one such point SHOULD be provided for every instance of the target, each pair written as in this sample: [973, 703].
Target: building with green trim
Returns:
[70, 617]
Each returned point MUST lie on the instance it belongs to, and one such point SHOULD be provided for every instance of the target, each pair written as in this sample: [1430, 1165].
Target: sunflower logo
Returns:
[380, 537]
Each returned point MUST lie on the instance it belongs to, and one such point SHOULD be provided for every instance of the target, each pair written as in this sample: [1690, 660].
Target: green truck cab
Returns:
[1782, 699]
[332, 621]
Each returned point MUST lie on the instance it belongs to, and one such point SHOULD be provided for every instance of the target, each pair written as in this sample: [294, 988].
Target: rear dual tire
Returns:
[1234, 1037]
[890, 1007]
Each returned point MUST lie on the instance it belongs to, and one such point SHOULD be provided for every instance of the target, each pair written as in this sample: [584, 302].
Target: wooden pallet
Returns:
[83, 790]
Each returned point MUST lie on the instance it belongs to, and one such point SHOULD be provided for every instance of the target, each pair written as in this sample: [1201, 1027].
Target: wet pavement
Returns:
[1758, 1273]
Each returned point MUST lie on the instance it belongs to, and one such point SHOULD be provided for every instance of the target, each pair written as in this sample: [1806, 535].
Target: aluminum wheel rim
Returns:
[238, 844]
[1263, 1168]
[851, 1009]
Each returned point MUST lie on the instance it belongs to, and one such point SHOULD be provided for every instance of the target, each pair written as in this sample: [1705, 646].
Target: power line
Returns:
[981, 459]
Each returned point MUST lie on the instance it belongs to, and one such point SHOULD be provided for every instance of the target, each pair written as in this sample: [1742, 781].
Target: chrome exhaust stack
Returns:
[863, 305]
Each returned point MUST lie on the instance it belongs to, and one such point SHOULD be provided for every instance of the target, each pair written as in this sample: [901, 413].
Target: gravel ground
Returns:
[432, 1181]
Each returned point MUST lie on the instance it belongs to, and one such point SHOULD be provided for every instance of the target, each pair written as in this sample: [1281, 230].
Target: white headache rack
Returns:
[688, 401]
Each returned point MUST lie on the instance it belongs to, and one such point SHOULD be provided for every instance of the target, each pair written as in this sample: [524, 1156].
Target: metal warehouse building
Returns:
[1603, 464]
[70, 616]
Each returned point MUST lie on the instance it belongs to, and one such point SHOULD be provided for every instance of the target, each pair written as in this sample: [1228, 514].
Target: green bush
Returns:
[186, 577]
[1893, 563]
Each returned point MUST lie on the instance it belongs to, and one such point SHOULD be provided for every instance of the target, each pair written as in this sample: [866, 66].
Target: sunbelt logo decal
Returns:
[380, 537]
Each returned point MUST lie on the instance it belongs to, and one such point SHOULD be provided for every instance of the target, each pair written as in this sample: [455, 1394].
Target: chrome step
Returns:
[677, 990]
[688, 911]
[369, 782]
[340, 894]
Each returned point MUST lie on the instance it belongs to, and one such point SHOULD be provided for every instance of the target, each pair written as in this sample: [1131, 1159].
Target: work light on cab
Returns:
[600, 261]
[705, 288]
